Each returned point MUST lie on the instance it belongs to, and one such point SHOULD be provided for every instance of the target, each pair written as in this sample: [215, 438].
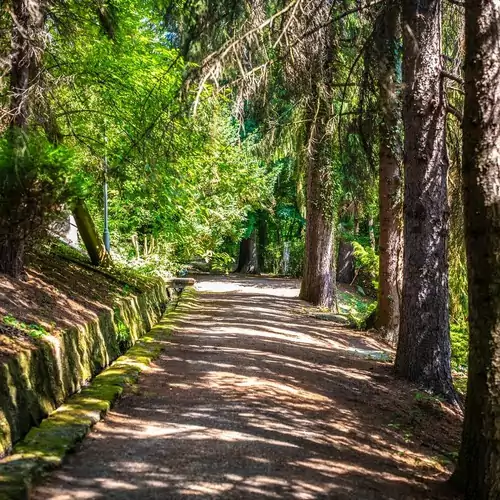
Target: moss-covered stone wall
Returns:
[36, 381]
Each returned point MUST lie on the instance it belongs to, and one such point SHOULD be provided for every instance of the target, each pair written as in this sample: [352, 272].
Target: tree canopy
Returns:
[324, 140]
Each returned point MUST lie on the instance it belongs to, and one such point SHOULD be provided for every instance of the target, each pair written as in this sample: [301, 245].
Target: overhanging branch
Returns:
[451, 76]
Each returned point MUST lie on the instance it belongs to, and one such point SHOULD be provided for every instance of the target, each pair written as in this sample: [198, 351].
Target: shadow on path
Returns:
[253, 399]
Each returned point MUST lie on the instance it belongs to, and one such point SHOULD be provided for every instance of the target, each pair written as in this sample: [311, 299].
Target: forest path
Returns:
[253, 398]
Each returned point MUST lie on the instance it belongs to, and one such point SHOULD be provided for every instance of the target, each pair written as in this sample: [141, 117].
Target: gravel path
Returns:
[253, 398]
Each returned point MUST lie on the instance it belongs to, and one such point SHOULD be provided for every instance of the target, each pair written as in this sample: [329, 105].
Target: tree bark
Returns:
[248, 262]
[390, 176]
[318, 283]
[20, 210]
[479, 460]
[262, 239]
[371, 233]
[424, 352]
[345, 263]
[12, 256]
[91, 240]
[27, 45]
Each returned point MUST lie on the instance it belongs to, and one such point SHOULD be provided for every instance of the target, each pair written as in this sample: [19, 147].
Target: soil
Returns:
[57, 294]
[253, 398]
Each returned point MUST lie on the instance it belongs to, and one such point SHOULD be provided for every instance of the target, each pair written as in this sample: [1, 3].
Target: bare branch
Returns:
[455, 112]
[340, 16]
[451, 76]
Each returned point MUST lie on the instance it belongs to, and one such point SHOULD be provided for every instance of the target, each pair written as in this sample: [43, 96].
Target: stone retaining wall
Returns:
[35, 382]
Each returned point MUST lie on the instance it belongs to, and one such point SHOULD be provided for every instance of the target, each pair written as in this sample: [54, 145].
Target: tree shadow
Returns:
[250, 400]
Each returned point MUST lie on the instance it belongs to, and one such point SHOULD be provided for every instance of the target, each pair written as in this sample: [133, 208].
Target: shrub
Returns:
[367, 267]
[37, 179]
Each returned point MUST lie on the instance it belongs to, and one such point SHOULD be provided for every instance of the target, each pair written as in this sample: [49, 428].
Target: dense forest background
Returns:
[322, 140]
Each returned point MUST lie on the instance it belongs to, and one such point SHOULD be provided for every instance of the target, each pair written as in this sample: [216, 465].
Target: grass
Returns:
[355, 307]
[33, 329]
[459, 346]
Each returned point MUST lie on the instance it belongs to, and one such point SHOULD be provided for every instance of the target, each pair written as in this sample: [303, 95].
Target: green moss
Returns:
[37, 381]
[33, 330]
[355, 308]
[46, 446]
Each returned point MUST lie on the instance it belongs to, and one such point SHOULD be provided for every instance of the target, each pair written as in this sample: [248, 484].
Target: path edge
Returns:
[45, 447]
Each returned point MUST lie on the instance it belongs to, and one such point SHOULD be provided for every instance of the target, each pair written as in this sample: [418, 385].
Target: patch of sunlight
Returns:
[156, 484]
[260, 492]
[267, 481]
[352, 373]
[268, 332]
[113, 484]
[234, 477]
[155, 430]
[370, 354]
[205, 488]
[284, 388]
[81, 495]
[305, 434]
[308, 491]
[332, 468]
[216, 286]
[281, 334]
[56, 343]
[7, 285]
[194, 414]
[206, 433]
[235, 381]
[222, 287]
[131, 363]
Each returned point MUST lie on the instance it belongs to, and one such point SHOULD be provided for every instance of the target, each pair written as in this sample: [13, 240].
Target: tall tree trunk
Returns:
[248, 262]
[22, 215]
[318, 283]
[424, 352]
[479, 460]
[262, 238]
[345, 263]
[27, 45]
[390, 173]
[12, 255]
[371, 233]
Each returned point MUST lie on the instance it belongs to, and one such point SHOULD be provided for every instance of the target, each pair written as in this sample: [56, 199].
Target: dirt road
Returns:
[255, 399]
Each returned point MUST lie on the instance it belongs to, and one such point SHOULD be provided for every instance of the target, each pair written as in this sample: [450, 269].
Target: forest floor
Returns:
[55, 295]
[257, 397]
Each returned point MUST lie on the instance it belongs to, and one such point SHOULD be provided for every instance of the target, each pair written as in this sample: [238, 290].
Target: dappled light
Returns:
[331, 173]
[254, 399]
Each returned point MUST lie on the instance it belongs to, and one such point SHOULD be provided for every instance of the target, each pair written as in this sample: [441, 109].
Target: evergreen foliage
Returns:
[219, 122]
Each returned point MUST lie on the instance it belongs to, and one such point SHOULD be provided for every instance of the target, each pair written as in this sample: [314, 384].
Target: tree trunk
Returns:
[424, 352]
[91, 240]
[479, 459]
[390, 173]
[12, 256]
[345, 263]
[371, 233]
[248, 262]
[262, 239]
[27, 42]
[318, 283]
[20, 215]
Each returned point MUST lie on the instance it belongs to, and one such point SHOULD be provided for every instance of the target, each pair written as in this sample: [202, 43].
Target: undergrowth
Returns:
[34, 330]
[356, 307]
[134, 278]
